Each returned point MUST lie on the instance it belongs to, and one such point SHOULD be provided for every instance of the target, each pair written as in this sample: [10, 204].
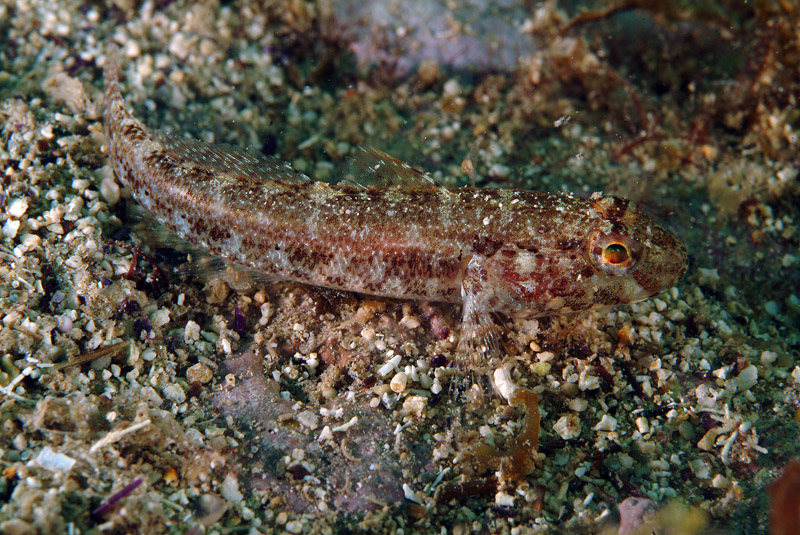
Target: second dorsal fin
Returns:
[374, 168]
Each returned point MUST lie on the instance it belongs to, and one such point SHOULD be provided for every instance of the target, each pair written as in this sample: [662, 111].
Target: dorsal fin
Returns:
[226, 158]
[374, 168]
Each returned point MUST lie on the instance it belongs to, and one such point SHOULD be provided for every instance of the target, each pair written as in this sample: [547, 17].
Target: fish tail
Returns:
[111, 78]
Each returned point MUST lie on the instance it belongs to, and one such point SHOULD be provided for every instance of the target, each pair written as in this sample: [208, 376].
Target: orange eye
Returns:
[616, 254]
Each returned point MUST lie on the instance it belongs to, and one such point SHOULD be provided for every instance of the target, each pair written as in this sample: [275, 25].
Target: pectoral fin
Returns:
[480, 335]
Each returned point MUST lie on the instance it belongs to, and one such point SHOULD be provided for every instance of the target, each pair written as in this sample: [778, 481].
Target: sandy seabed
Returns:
[144, 391]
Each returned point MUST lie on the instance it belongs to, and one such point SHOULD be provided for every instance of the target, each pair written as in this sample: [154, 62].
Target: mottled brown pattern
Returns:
[519, 252]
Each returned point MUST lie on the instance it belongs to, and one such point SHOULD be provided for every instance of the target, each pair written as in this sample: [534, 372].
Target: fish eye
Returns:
[615, 253]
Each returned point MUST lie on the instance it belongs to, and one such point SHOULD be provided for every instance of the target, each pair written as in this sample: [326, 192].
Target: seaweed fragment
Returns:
[511, 462]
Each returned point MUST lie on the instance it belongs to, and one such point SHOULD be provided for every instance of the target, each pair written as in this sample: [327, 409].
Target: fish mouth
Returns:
[681, 259]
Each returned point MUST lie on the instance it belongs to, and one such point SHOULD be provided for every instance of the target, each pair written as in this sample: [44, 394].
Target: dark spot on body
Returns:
[486, 246]
[218, 234]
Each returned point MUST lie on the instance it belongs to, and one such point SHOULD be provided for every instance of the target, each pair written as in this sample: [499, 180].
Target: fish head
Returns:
[601, 252]
[633, 258]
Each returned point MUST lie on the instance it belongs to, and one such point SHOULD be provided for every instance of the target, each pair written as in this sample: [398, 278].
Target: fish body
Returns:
[521, 253]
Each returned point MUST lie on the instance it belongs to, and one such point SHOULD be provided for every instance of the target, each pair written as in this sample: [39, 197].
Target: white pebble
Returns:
[10, 228]
[174, 393]
[160, 317]
[399, 382]
[642, 425]
[436, 387]
[410, 494]
[504, 499]
[389, 366]
[325, 434]
[545, 356]
[747, 378]
[578, 404]
[191, 333]
[606, 423]
[587, 381]
[17, 207]
[308, 419]
[51, 460]
[568, 426]
[451, 88]
[768, 357]
[109, 189]
[230, 488]
[294, 526]
[720, 482]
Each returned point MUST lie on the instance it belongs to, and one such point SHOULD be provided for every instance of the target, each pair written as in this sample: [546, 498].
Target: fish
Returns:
[398, 234]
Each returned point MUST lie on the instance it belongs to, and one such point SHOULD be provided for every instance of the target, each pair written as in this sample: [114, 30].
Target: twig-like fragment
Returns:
[104, 351]
[600, 14]
[114, 436]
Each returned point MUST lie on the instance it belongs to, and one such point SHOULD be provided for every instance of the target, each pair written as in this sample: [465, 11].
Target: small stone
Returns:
[199, 373]
[16, 526]
[700, 468]
[399, 382]
[109, 189]
[545, 356]
[212, 508]
[587, 381]
[568, 426]
[436, 387]
[150, 395]
[325, 434]
[174, 393]
[160, 317]
[10, 228]
[606, 423]
[294, 526]
[51, 460]
[64, 324]
[504, 499]
[415, 405]
[642, 425]
[308, 419]
[230, 488]
[772, 308]
[747, 378]
[720, 482]
[191, 333]
[410, 494]
[452, 88]
[578, 404]
[17, 207]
